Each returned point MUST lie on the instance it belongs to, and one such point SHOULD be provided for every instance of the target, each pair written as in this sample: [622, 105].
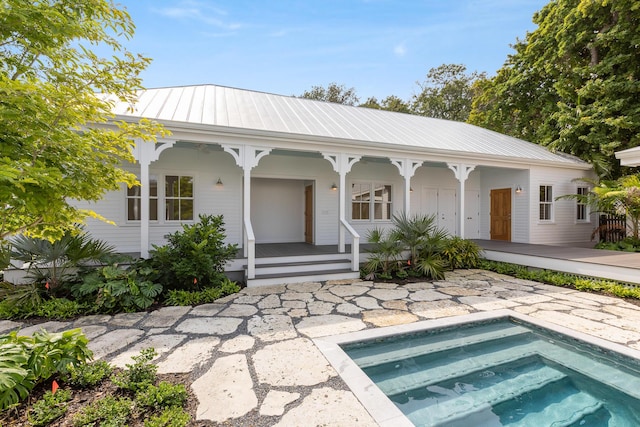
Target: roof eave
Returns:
[341, 143]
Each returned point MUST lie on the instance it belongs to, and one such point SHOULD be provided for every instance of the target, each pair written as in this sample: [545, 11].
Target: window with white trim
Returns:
[178, 198]
[134, 201]
[582, 211]
[546, 203]
[371, 201]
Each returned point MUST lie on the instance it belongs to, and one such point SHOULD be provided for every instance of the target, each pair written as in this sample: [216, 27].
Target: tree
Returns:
[446, 93]
[390, 103]
[54, 144]
[572, 84]
[338, 94]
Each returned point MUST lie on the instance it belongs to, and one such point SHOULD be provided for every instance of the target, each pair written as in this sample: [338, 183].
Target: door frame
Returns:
[308, 214]
[504, 214]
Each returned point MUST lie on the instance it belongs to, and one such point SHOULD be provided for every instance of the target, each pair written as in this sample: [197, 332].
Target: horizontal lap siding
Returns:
[564, 229]
[497, 178]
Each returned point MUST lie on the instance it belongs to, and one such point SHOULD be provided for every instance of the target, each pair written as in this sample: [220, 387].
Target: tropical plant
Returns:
[171, 417]
[26, 361]
[110, 289]
[385, 255]
[461, 253]
[621, 196]
[54, 263]
[194, 257]
[20, 300]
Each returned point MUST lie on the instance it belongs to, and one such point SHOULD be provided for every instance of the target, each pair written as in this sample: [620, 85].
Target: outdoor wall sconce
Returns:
[518, 189]
[334, 187]
[410, 189]
[219, 183]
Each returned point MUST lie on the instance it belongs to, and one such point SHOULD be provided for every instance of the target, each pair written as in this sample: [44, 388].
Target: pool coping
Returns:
[383, 411]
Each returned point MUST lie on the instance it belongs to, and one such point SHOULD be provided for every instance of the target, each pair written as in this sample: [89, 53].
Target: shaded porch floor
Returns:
[267, 250]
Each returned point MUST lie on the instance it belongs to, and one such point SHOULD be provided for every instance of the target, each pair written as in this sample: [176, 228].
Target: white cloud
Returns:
[400, 49]
[199, 11]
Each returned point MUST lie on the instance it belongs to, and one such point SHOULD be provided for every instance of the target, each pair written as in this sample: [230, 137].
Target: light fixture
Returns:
[334, 187]
[518, 189]
[410, 189]
[219, 183]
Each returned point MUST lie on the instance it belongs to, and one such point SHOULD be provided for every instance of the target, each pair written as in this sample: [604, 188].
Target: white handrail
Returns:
[355, 244]
[250, 249]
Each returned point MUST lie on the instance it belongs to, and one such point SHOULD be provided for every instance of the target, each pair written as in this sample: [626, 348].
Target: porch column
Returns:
[247, 157]
[146, 152]
[342, 164]
[407, 169]
[461, 172]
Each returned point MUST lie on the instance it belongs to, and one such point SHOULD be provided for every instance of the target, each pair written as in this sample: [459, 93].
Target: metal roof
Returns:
[244, 109]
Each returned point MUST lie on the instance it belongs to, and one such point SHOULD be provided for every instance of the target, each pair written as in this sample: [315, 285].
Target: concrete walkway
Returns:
[251, 355]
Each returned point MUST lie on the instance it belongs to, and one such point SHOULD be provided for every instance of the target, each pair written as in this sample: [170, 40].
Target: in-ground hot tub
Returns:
[500, 369]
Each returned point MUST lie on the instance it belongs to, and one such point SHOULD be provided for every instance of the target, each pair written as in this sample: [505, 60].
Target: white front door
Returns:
[441, 203]
[472, 214]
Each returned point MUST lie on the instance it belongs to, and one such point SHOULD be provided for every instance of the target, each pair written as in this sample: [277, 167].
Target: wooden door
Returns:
[308, 214]
[501, 214]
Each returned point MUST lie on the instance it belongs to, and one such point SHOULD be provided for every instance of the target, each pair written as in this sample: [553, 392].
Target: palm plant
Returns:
[55, 262]
[414, 232]
[385, 254]
[621, 196]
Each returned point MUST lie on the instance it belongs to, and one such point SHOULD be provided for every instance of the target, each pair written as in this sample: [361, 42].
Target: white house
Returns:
[629, 157]
[288, 170]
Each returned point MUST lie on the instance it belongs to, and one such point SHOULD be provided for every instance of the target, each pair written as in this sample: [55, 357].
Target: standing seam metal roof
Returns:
[229, 107]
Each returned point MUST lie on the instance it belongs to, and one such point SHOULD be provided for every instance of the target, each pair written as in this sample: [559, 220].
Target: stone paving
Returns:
[251, 355]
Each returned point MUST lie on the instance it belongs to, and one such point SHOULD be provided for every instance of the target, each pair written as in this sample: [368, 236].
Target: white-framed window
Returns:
[134, 200]
[582, 210]
[178, 197]
[371, 201]
[546, 203]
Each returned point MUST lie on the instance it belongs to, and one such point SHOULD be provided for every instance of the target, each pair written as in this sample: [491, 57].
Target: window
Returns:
[133, 201]
[365, 207]
[582, 213]
[546, 202]
[178, 198]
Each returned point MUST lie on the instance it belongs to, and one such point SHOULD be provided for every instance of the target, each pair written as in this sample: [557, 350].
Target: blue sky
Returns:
[379, 47]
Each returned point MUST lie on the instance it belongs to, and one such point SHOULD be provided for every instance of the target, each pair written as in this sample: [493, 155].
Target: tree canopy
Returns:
[446, 93]
[53, 149]
[334, 92]
[573, 83]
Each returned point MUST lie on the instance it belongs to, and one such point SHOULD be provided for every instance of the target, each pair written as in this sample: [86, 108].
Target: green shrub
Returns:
[563, 279]
[205, 296]
[26, 361]
[139, 375]
[109, 411]
[111, 289]
[626, 245]
[20, 301]
[60, 308]
[164, 395]
[49, 408]
[195, 257]
[170, 417]
[88, 374]
[461, 253]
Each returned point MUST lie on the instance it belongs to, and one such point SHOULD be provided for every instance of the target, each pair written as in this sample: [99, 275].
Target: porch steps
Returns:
[301, 268]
